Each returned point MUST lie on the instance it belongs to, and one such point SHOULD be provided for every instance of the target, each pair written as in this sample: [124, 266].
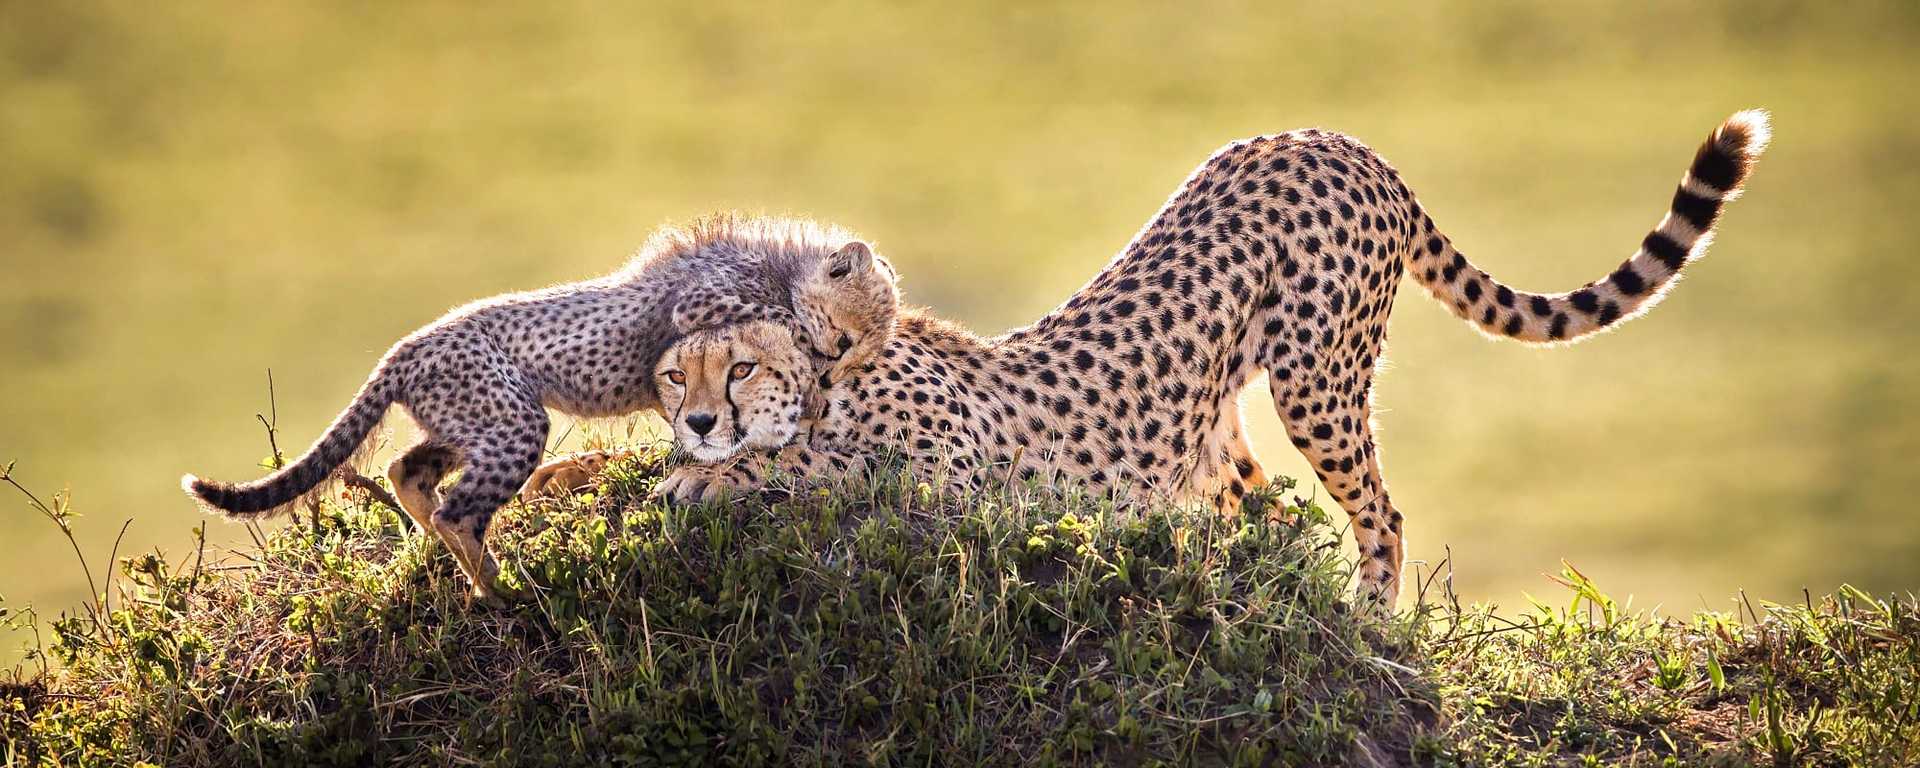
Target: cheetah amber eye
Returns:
[679, 378]
[740, 371]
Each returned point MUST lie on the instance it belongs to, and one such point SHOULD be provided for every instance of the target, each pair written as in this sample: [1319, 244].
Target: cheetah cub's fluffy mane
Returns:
[783, 241]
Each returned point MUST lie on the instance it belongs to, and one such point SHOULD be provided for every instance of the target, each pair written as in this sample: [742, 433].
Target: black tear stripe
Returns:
[733, 409]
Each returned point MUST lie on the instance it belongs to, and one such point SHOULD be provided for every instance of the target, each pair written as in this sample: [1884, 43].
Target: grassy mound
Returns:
[899, 627]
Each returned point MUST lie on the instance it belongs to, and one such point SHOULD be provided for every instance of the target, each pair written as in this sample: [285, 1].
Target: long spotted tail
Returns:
[276, 493]
[1718, 170]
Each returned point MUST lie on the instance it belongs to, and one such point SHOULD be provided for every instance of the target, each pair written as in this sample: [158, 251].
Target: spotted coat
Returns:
[1278, 256]
[480, 380]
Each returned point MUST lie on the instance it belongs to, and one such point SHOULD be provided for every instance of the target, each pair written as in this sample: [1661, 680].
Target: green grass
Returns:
[892, 626]
[192, 193]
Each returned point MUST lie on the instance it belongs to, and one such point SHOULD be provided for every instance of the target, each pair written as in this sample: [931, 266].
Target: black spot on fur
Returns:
[1609, 313]
[1717, 168]
[1585, 301]
[1666, 250]
[1696, 210]
[1628, 282]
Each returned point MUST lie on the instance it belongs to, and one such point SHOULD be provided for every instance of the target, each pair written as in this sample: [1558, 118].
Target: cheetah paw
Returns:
[694, 484]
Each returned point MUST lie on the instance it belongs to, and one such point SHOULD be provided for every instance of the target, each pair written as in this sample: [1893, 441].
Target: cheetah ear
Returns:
[852, 259]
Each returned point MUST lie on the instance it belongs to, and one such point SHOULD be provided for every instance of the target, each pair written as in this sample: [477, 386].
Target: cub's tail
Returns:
[276, 493]
[1718, 170]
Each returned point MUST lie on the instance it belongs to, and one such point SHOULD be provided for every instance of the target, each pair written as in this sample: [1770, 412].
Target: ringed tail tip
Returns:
[1747, 131]
[1723, 163]
[195, 489]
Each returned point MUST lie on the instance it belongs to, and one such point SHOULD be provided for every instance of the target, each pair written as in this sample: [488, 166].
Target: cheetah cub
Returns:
[480, 380]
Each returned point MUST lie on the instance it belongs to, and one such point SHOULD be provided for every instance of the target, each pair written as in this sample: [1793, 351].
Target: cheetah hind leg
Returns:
[416, 477]
[493, 473]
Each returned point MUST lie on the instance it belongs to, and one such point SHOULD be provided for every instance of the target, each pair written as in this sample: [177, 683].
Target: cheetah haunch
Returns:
[1280, 255]
[479, 380]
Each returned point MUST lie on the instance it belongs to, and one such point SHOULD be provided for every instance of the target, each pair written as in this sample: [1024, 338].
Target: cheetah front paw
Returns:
[697, 484]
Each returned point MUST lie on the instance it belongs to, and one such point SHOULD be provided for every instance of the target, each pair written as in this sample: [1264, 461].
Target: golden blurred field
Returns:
[193, 193]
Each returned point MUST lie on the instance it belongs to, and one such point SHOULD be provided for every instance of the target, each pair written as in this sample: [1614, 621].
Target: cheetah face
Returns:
[732, 388]
[846, 306]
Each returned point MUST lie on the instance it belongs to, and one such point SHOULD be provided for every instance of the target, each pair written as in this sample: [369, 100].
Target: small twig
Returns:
[1750, 609]
[272, 424]
[271, 420]
[354, 479]
[557, 442]
[113, 557]
[94, 608]
[313, 513]
[199, 553]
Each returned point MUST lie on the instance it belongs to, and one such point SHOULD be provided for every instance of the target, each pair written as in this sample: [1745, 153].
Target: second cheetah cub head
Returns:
[733, 388]
[845, 307]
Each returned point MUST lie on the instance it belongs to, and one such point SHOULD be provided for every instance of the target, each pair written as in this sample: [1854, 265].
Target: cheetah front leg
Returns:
[797, 465]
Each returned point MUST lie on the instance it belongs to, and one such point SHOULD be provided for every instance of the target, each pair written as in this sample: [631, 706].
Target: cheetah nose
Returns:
[846, 343]
[701, 423]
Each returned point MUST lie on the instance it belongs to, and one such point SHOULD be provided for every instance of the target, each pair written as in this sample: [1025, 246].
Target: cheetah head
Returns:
[732, 388]
[846, 304]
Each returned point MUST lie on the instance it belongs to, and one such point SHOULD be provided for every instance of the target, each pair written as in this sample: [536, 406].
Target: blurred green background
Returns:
[191, 194]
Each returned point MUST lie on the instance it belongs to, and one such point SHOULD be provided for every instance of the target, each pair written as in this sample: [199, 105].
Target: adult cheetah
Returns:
[479, 381]
[1280, 255]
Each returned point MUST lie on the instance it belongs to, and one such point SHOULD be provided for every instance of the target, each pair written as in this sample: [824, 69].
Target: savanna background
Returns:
[194, 193]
